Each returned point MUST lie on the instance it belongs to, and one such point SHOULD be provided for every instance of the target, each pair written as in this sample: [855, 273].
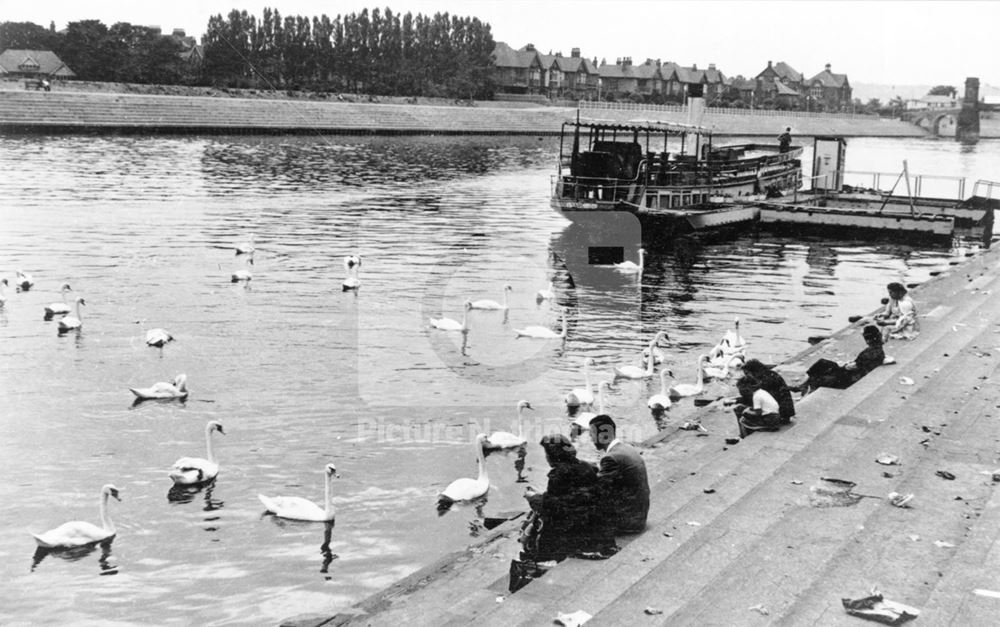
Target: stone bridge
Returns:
[937, 122]
[961, 122]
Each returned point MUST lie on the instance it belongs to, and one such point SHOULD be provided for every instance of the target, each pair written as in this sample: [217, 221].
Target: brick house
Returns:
[678, 82]
[571, 77]
[618, 79]
[769, 78]
[517, 71]
[831, 91]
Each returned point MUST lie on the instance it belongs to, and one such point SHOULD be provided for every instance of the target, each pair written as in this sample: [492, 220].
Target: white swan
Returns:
[659, 355]
[543, 333]
[582, 420]
[635, 372]
[732, 342]
[467, 489]
[447, 324]
[177, 389]
[631, 267]
[298, 508]
[80, 533]
[23, 282]
[492, 304]
[506, 441]
[659, 402]
[352, 264]
[545, 294]
[70, 323]
[582, 396]
[196, 470]
[247, 248]
[711, 370]
[680, 390]
[158, 337]
[59, 309]
[3, 295]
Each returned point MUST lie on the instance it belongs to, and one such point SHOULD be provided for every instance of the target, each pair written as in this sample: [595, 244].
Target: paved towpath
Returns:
[746, 535]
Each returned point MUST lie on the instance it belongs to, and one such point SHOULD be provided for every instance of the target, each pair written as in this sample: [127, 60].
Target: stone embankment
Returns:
[110, 112]
[750, 533]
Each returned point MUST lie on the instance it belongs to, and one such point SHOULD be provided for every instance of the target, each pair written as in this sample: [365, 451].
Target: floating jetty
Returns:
[747, 533]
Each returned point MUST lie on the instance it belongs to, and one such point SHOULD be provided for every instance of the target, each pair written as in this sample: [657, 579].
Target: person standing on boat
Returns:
[785, 140]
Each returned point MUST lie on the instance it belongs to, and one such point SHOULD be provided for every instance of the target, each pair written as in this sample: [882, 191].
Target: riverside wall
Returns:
[23, 111]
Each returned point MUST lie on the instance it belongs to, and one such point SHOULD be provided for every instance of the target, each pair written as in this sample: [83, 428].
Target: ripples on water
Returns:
[301, 374]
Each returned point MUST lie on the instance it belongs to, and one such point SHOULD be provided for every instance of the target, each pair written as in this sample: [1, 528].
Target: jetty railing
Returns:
[921, 185]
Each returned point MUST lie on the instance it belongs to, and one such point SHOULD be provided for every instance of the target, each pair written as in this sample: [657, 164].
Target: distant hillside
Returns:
[885, 93]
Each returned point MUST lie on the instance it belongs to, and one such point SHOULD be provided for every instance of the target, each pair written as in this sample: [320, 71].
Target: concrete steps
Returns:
[756, 507]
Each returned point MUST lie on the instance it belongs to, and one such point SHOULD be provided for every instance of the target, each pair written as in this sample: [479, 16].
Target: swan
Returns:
[506, 441]
[582, 396]
[196, 470]
[59, 309]
[447, 324]
[177, 389]
[711, 370]
[732, 341]
[545, 294]
[3, 296]
[73, 322]
[659, 402]
[659, 355]
[680, 390]
[352, 263]
[582, 420]
[158, 337]
[246, 248]
[298, 508]
[467, 489]
[492, 304]
[79, 533]
[23, 282]
[635, 372]
[630, 267]
[543, 333]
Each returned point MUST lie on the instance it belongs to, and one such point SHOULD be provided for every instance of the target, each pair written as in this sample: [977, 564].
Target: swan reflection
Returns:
[180, 494]
[76, 554]
[328, 555]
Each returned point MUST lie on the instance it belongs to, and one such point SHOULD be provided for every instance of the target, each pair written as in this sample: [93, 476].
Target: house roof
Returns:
[829, 79]
[615, 70]
[742, 84]
[505, 56]
[645, 71]
[574, 64]
[783, 71]
[785, 90]
[34, 61]
[786, 71]
[935, 99]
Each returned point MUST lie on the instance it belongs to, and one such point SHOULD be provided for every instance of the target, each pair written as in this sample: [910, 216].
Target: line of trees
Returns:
[372, 52]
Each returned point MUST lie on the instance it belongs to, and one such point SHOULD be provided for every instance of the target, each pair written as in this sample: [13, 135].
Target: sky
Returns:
[893, 43]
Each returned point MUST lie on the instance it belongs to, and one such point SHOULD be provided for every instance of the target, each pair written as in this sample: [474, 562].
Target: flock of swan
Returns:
[582, 402]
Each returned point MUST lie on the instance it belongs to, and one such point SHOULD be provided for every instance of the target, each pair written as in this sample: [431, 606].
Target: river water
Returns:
[302, 374]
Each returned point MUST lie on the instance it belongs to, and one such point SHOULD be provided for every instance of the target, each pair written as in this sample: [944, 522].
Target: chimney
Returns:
[618, 61]
[575, 53]
[711, 66]
[768, 64]
[178, 32]
[827, 67]
[694, 66]
[529, 47]
[627, 61]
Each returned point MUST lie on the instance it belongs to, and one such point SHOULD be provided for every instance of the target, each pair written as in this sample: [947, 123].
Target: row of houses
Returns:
[527, 71]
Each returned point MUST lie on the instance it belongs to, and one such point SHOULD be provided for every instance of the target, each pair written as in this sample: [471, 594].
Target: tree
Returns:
[27, 36]
[943, 90]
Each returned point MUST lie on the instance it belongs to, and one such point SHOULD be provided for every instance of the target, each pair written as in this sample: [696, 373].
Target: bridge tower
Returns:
[968, 118]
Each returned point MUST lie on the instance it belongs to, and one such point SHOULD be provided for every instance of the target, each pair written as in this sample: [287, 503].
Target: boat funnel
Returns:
[696, 104]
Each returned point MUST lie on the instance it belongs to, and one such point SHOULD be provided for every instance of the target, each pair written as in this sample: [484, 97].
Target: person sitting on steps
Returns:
[763, 415]
[829, 374]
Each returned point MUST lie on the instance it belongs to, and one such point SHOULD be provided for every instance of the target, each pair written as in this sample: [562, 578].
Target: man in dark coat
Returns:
[829, 374]
[624, 486]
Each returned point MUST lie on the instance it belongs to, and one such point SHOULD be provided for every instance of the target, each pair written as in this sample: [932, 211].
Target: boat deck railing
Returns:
[920, 185]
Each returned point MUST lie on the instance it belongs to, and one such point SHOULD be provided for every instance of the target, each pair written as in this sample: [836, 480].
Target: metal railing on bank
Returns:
[770, 113]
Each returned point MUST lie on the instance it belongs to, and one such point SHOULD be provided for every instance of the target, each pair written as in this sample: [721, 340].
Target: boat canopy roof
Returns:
[649, 126]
